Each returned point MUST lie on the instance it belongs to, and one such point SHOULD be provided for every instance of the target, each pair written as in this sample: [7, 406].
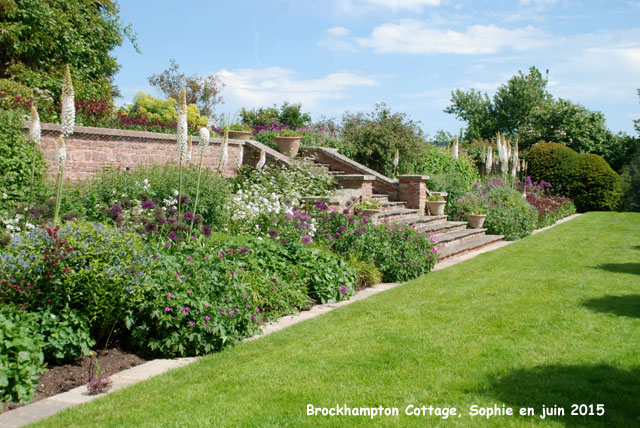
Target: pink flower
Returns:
[167, 309]
[190, 259]
[221, 255]
[248, 306]
[169, 295]
[207, 317]
[191, 323]
[189, 291]
[231, 313]
[244, 294]
[179, 279]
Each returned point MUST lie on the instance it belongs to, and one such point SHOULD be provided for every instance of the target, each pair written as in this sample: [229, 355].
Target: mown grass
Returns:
[553, 319]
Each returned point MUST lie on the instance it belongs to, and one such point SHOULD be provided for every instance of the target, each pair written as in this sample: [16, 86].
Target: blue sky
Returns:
[338, 55]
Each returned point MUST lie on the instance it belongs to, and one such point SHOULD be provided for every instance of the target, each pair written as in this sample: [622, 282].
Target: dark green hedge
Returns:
[586, 178]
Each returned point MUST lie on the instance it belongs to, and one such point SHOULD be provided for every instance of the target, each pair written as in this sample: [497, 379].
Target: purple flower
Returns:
[184, 200]
[115, 210]
[147, 205]
[342, 229]
[172, 236]
[188, 216]
[343, 289]
[206, 230]
[273, 233]
[306, 240]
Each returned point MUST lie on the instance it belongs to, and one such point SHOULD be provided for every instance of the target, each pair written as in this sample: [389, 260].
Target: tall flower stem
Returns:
[58, 193]
[31, 176]
[179, 183]
[35, 134]
[195, 206]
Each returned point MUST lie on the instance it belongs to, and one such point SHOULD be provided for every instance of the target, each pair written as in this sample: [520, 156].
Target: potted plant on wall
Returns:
[289, 142]
[240, 131]
[475, 207]
[435, 204]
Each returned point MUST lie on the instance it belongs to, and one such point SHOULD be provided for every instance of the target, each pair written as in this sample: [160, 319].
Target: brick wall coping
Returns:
[354, 177]
[333, 153]
[413, 177]
[112, 133]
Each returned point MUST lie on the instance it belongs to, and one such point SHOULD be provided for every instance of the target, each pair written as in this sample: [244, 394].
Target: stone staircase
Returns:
[452, 238]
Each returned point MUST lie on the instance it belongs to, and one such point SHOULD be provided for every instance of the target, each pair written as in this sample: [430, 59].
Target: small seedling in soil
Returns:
[100, 384]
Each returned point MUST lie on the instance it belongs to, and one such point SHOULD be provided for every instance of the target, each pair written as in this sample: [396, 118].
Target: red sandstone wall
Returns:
[89, 150]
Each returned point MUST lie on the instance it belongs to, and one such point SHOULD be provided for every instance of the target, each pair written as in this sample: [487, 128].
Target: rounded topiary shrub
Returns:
[595, 186]
[553, 163]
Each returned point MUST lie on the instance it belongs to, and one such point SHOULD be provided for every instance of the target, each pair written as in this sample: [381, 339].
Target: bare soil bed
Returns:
[66, 377]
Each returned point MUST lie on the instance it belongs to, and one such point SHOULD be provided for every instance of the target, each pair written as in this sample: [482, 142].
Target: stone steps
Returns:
[451, 238]
[454, 237]
[393, 215]
[472, 244]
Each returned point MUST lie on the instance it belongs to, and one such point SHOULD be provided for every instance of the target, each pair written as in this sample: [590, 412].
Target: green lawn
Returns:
[553, 319]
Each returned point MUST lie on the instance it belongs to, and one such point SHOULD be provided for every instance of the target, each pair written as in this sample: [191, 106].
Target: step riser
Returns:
[394, 219]
[454, 228]
[395, 206]
[468, 250]
[459, 240]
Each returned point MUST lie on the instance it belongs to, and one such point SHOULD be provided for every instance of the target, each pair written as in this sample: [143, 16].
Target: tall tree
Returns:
[37, 38]
[509, 110]
[201, 91]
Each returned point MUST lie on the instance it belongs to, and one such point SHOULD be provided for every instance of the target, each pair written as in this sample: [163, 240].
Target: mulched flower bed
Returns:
[60, 379]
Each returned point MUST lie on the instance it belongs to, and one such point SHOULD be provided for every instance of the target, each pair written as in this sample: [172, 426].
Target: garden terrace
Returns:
[504, 328]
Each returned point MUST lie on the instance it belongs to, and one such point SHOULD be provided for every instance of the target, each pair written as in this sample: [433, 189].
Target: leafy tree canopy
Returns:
[201, 91]
[374, 138]
[290, 115]
[37, 38]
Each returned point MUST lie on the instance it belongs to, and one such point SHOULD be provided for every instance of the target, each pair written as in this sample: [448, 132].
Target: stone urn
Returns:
[240, 135]
[288, 146]
[476, 220]
[436, 207]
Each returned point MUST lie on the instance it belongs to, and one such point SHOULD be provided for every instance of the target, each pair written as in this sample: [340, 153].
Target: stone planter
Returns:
[476, 220]
[436, 207]
[240, 135]
[288, 146]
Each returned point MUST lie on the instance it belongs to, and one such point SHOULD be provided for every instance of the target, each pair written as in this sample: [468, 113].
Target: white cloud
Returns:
[338, 31]
[336, 40]
[360, 7]
[273, 85]
[416, 37]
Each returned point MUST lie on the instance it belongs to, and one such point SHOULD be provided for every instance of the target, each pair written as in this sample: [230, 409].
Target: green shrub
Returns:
[595, 186]
[157, 183]
[15, 163]
[454, 176]
[96, 270]
[554, 163]
[586, 178]
[21, 357]
[631, 173]
[66, 336]
[197, 302]
[508, 212]
[328, 278]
